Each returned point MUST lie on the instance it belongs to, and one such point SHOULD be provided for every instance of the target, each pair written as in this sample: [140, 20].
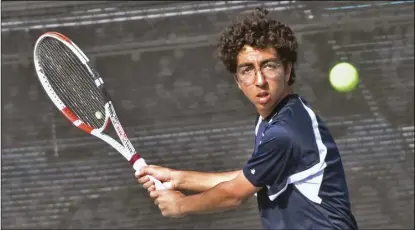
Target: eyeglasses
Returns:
[269, 70]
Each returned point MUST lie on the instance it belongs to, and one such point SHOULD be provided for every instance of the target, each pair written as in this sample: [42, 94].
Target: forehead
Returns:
[252, 54]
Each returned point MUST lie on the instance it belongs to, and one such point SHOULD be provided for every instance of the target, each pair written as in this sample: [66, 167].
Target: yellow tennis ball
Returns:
[344, 77]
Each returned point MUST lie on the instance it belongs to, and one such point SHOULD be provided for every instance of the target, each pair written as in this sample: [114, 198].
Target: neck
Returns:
[266, 112]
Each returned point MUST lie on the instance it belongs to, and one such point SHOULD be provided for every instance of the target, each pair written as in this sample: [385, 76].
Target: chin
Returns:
[267, 106]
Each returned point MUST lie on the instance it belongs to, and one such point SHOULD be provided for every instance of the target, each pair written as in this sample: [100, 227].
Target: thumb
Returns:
[154, 194]
[168, 185]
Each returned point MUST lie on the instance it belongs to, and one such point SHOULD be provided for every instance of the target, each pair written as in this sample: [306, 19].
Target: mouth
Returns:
[263, 97]
[262, 94]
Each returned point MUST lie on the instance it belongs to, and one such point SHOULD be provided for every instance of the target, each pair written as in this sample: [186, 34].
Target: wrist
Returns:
[177, 179]
[181, 204]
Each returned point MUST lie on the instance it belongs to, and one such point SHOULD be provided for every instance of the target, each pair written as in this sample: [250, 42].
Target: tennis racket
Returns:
[77, 90]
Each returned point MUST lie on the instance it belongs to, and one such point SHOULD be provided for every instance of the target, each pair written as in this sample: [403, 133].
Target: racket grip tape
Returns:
[139, 164]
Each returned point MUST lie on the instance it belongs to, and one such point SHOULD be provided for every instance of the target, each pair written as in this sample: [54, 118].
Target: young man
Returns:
[295, 169]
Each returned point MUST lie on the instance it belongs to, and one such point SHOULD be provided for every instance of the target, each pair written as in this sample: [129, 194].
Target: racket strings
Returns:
[90, 118]
[61, 85]
[72, 81]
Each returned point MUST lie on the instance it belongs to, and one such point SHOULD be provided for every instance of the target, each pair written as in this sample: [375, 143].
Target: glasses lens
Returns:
[269, 70]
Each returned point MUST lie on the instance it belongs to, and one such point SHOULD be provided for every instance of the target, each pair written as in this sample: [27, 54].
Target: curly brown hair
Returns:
[258, 31]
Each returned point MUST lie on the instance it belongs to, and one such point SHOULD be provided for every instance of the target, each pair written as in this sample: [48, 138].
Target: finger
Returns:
[156, 202]
[161, 207]
[154, 194]
[139, 173]
[143, 179]
[165, 214]
[148, 184]
[152, 188]
[143, 171]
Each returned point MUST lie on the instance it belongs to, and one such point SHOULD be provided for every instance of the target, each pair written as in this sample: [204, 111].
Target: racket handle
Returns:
[139, 164]
[157, 183]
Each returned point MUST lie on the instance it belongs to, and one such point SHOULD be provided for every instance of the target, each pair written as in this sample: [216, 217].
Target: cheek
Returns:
[285, 76]
[249, 91]
[278, 84]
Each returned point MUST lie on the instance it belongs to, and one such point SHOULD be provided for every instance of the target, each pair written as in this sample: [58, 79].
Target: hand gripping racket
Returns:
[78, 92]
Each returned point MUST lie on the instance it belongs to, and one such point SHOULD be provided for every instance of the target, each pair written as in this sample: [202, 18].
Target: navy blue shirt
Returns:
[298, 166]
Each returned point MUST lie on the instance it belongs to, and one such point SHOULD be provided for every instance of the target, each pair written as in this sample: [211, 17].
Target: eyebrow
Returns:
[245, 64]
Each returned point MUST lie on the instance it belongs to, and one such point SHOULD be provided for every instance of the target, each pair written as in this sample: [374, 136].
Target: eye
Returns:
[246, 70]
[271, 65]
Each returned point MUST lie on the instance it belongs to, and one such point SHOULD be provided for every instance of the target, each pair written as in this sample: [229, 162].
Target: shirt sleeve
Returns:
[272, 162]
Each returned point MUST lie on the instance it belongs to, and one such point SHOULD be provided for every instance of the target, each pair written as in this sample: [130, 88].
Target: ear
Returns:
[288, 69]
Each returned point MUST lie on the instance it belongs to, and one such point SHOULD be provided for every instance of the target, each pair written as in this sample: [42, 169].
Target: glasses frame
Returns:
[279, 63]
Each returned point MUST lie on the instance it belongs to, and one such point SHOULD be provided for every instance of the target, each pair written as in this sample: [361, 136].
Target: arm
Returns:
[223, 196]
[270, 166]
[201, 181]
[182, 180]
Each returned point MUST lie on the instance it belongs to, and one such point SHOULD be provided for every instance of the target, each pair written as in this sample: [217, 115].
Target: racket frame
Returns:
[126, 148]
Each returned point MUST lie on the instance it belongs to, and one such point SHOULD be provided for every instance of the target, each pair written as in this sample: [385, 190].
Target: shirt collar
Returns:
[279, 106]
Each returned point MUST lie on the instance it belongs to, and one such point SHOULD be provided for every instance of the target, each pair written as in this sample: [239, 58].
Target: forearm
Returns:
[216, 199]
[201, 181]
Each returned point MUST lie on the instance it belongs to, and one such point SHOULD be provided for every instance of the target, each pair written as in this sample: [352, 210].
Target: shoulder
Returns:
[277, 134]
[293, 120]
[296, 116]
[293, 110]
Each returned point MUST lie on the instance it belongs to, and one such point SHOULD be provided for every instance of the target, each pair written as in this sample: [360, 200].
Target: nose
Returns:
[259, 79]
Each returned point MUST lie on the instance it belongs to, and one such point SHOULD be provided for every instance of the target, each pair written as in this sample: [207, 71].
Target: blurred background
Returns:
[182, 109]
